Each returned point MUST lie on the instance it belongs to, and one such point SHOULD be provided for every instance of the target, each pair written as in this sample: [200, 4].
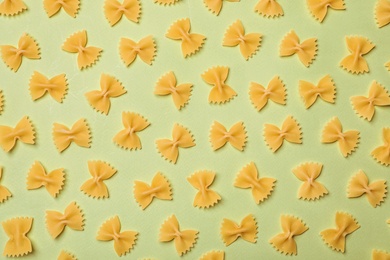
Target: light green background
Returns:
[198, 115]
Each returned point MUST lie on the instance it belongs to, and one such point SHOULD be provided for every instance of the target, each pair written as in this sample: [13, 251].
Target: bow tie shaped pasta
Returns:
[382, 153]
[205, 197]
[220, 92]
[269, 8]
[23, 131]
[4, 192]
[275, 91]
[145, 49]
[325, 89]
[79, 134]
[319, 8]
[215, 6]
[66, 256]
[308, 173]
[40, 85]
[12, 7]
[382, 13]
[113, 10]
[358, 46]
[18, 243]
[213, 255]
[71, 7]
[231, 231]
[236, 136]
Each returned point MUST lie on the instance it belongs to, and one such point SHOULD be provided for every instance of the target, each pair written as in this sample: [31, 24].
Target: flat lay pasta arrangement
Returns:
[136, 129]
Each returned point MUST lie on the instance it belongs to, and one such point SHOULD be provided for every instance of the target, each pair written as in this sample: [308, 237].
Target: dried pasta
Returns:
[79, 134]
[358, 46]
[213, 255]
[325, 89]
[1, 102]
[23, 131]
[231, 231]
[308, 173]
[236, 136]
[71, 7]
[269, 8]
[382, 153]
[215, 6]
[39, 84]
[145, 49]
[205, 197]
[114, 10]
[5, 194]
[220, 92]
[319, 8]
[66, 256]
[276, 92]
[12, 7]
[380, 255]
[382, 13]
[166, 2]
[18, 243]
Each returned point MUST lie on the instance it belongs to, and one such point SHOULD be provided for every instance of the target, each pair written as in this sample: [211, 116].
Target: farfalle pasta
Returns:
[325, 89]
[319, 8]
[1, 102]
[181, 138]
[128, 137]
[77, 43]
[358, 46]
[333, 132]
[306, 51]
[236, 136]
[5, 194]
[213, 255]
[285, 241]
[269, 8]
[382, 153]
[95, 186]
[191, 43]
[311, 189]
[205, 197]
[71, 7]
[145, 49]
[114, 10]
[12, 7]
[124, 241]
[27, 47]
[380, 255]
[66, 256]
[24, 131]
[335, 238]
[290, 131]
[184, 239]
[259, 95]
[18, 243]
[231, 231]
[110, 87]
[215, 6]
[78, 134]
[235, 35]
[53, 181]
[382, 13]
[216, 77]
[166, 2]
[39, 84]
[365, 106]
[144, 193]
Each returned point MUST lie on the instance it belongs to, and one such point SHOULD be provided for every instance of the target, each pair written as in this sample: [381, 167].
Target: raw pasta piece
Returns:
[18, 243]
[165, 2]
[191, 43]
[220, 92]
[5, 194]
[387, 65]
[79, 134]
[290, 131]
[77, 43]
[57, 86]
[205, 197]
[336, 238]
[231, 231]
[114, 10]
[333, 132]
[12, 7]
[325, 89]
[236, 136]
[382, 153]
[213, 255]
[53, 181]
[269, 8]
[275, 91]
[1, 102]
[308, 173]
[375, 191]
[72, 217]
[128, 138]
[358, 46]
[215, 6]
[382, 13]
[66, 256]
[380, 255]
[249, 43]
[123, 241]
[167, 85]
[145, 49]
[181, 137]
[110, 87]
[160, 188]
[306, 51]
[248, 178]
[99, 171]
[27, 47]
[23, 131]
[71, 7]
[285, 242]
[319, 8]
[365, 106]
[184, 239]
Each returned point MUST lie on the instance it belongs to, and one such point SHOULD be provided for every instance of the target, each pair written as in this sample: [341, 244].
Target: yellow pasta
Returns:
[220, 92]
[66, 256]
[205, 197]
[27, 47]
[184, 239]
[99, 171]
[319, 8]
[285, 242]
[231, 231]
[336, 238]
[39, 84]
[110, 87]
[18, 243]
[236, 136]
[5, 194]
[144, 193]
[145, 49]
[358, 46]
[215, 6]
[77, 43]
[114, 10]
[191, 43]
[290, 131]
[1, 102]
[123, 241]
[181, 138]
[166, 2]
[23, 131]
[213, 255]
[380, 255]
[306, 51]
[71, 7]
[12, 7]
[275, 91]
[333, 132]
[365, 106]
[235, 35]
[128, 138]
[53, 181]
[325, 89]
[269, 8]
[308, 173]
[79, 134]
[382, 13]
[382, 153]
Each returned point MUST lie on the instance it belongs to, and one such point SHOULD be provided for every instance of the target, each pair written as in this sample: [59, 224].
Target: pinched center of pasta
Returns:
[152, 191]
[18, 52]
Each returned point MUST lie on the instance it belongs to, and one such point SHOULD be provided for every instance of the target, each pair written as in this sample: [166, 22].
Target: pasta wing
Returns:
[71, 7]
[382, 12]
[18, 243]
[231, 231]
[23, 131]
[215, 6]
[66, 256]
[275, 91]
[40, 85]
[325, 89]
[269, 8]
[380, 255]
[213, 255]
[145, 49]
[205, 197]
[12, 7]
[319, 9]
[308, 173]
[290, 132]
[114, 10]
[220, 92]
[382, 153]
[79, 134]
[1, 101]
[165, 2]
[236, 136]
[4, 192]
[358, 46]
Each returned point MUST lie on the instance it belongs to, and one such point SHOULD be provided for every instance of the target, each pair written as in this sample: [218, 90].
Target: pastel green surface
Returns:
[198, 115]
